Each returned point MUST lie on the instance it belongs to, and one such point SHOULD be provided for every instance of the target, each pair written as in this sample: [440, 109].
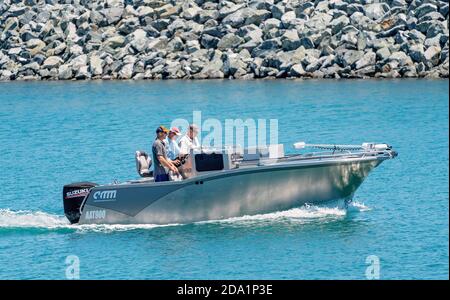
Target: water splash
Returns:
[41, 220]
[356, 206]
[24, 219]
[304, 214]
[30, 219]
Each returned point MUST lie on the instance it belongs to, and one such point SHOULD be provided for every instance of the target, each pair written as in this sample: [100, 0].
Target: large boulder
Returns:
[52, 62]
[65, 72]
[115, 42]
[376, 11]
[113, 14]
[339, 23]
[432, 55]
[35, 46]
[209, 41]
[229, 41]
[212, 69]
[401, 58]
[424, 9]
[95, 65]
[348, 57]
[288, 18]
[290, 40]
[232, 64]
[297, 70]
[191, 12]
[368, 59]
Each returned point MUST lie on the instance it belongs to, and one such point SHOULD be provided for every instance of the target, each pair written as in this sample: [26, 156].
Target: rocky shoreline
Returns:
[205, 39]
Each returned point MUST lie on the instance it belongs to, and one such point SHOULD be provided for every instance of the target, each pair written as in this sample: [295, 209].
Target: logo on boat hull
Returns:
[104, 196]
[95, 214]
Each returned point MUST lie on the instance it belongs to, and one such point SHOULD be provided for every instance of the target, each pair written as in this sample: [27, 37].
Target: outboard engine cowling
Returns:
[73, 196]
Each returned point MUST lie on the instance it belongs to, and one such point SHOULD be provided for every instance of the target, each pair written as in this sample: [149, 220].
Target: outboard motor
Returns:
[73, 196]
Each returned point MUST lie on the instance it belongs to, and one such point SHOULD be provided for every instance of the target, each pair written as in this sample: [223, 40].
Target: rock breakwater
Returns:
[203, 39]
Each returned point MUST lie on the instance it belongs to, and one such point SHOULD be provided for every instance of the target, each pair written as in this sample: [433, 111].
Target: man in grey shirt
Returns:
[159, 149]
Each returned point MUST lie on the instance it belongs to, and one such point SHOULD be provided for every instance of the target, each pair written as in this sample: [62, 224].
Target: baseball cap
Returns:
[162, 129]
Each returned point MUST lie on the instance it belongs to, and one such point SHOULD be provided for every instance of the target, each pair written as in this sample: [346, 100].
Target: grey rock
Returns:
[10, 24]
[416, 52]
[432, 55]
[52, 62]
[191, 12]
[307, 43]
[176, 44]
[113, 14]
[95, 65]
[212, 69]
[35, 46]
[348, 57]
[229, 9]
[209, 41]
[115, 42]
[266, 46]
[436, 28]
[443, 9]
[204, 15]
[15, 11]
[290, 40]
[288, 18]
[338, 24]
[127, 71]
[192, 46]
[297, 70]
[229, 40]
[82, 73]
[401, 58]
[232, 64]
[424, 9]
[376, 11]
[145, 11]
[368, 59]
[278, 11]
[65, 72]
[271, 24]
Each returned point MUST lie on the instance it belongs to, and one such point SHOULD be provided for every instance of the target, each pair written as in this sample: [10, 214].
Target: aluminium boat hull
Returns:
[221, 195]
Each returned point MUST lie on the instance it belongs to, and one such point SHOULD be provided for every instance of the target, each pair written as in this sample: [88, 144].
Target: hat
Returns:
[175, 130]
[162, 129]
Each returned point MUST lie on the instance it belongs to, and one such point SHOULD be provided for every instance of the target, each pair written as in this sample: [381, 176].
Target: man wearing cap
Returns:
[162, 162]
[189, 141]
[174, 149]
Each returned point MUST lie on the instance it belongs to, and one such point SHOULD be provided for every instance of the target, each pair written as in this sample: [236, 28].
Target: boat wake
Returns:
[13, 220]
[301, 215]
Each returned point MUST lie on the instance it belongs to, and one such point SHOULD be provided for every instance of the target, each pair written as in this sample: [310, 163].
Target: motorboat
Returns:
[228, 182]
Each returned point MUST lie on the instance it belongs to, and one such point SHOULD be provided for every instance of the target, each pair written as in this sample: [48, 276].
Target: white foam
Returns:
[108, 228]
[29, 219]
[43, 220]
[305, 213]
[358, 206]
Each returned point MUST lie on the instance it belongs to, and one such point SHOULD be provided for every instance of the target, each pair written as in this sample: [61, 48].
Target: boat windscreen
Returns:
[209, 162]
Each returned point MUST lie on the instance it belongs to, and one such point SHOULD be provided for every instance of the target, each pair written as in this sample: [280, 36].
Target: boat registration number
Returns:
[95, 214]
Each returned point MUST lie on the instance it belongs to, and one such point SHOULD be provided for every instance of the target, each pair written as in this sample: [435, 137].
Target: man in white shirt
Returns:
[189, 141]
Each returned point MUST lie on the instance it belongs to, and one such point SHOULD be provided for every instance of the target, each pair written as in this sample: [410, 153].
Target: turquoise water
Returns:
[53, 133]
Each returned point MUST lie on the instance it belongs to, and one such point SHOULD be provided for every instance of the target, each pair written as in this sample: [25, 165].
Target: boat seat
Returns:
[143, 164]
